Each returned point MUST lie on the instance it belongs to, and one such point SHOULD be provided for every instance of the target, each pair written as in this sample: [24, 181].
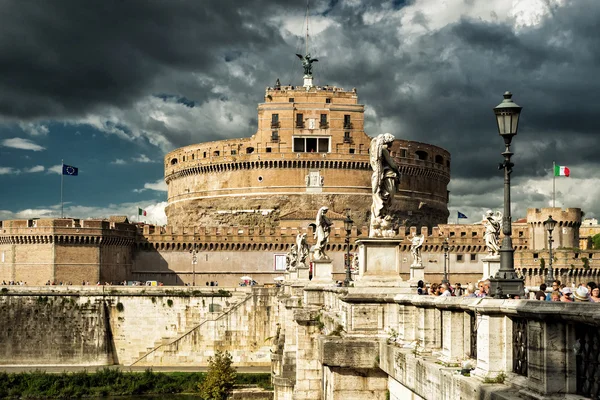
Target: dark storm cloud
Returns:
[65, 58]
[453, 77]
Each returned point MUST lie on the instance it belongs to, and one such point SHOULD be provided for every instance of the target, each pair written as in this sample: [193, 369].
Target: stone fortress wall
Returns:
[66, 250]
[310, 150]
[95, 326]
[76, 250]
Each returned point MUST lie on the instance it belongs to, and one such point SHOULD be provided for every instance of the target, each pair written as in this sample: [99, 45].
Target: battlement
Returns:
[322, 90]
[466, 238]
[568, 217]
[66, 226]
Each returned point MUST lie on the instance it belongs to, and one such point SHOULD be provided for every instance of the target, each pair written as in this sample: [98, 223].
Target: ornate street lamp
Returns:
[506, 282]
[549, 224]
[348, 227]
[445, 247]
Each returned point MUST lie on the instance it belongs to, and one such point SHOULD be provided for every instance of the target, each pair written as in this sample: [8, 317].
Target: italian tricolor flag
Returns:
[561, 171]
[143, 212]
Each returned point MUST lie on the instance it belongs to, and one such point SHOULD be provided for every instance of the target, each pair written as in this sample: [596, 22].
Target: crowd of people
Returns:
[589, 292]
[14, 283]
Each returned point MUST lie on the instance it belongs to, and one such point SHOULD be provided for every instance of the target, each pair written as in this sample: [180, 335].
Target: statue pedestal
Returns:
[308, 81]
[302, 274]
[491, 265]
[417, 273]
[322, 271]
[378, 263]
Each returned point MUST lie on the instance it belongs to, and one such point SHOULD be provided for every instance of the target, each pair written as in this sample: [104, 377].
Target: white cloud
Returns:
[155, 212]
[34, 129]
[23, 144]
[159, 186]
[37, 168]
[8, 171]
[57, 169]
[119, 161]
[142, 158]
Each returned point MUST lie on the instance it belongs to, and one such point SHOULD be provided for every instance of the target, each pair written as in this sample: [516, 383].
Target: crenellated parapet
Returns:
[216, 239]
[566, 231]
[67, 231]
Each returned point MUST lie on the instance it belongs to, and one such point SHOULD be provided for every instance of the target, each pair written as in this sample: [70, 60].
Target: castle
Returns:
[238, 205]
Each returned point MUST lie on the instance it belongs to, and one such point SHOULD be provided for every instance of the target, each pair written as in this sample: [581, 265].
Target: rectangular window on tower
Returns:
[312, 145]
[347, 137]
[274, 120]
[347, 122]
[299, 145]
[323, 122]
[323, 145]
[299, 120]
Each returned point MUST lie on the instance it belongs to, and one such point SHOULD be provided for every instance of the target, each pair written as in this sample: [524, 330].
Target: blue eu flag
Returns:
[70, 170]
[461, 215]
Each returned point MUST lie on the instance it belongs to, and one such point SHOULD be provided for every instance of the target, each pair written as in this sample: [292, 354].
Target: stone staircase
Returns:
[145, 356]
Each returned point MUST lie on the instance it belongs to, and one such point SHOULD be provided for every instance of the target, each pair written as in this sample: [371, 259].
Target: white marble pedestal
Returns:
[378, 263]
[301, 274]
[417, 273]
[491, 265]
[322, 271]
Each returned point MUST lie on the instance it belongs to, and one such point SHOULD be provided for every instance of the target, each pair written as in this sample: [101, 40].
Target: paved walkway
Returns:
[77, 368]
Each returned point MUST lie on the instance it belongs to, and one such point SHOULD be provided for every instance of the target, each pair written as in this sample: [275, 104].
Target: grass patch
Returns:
[108, 381]
[500, 378]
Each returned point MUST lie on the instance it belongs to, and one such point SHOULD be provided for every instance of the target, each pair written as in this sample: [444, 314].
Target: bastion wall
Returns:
[104, 326]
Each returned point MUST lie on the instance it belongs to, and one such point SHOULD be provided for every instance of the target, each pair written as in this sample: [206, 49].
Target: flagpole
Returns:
[553, 184]
[62, 177]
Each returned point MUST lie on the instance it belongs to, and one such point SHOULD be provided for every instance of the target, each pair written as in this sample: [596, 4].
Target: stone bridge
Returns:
[380, 341]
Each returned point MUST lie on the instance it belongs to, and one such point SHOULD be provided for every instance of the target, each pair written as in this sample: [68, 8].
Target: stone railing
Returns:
[515, 348]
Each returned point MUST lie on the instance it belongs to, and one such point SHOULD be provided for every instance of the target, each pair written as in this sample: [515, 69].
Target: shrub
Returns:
[596, 241]
[170, 303]
[220, 378]
[120, 307]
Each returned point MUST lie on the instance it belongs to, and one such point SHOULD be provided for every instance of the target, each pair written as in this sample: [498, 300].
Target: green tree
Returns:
[586, 262]
[220, 378]
[542, 263]
[596, 241]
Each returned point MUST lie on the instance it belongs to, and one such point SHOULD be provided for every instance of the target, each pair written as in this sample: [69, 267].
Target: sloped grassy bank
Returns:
[105, 382]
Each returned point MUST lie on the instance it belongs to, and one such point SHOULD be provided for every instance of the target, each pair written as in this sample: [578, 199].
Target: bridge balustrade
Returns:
[535, 348]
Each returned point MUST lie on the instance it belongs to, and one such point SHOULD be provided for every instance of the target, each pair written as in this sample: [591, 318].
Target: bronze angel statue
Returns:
[307, 63]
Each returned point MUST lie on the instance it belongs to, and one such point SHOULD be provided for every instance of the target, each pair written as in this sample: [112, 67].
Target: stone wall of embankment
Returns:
[134, 325]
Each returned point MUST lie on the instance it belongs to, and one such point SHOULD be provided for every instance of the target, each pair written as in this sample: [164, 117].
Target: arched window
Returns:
[173, 161]
[439, 159]
[421, 155]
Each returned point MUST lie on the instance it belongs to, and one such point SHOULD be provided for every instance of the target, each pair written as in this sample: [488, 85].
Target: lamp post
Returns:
[445, 246]
[194, 252]
[549, 224]
[348, 227]
[506, 282]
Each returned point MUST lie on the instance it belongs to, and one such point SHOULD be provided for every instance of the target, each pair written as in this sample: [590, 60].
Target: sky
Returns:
[111, 86]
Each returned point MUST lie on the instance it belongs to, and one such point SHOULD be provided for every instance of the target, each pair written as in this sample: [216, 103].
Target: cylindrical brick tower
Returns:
[310, 150]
